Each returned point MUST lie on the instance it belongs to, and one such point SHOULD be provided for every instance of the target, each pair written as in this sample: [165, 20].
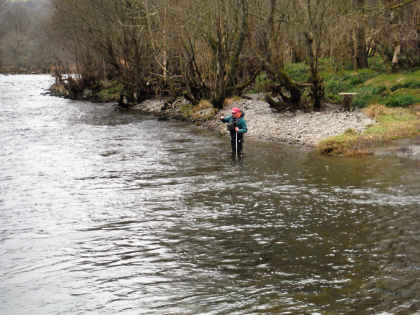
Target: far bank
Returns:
[374, 130]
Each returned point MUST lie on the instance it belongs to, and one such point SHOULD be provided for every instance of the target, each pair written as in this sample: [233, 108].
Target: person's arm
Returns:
[225, 119]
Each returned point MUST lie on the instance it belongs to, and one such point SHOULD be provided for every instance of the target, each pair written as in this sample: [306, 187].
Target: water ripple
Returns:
[103, 210]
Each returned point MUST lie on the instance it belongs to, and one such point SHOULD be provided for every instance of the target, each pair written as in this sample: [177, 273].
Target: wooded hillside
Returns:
[24, 43]
[215, 49]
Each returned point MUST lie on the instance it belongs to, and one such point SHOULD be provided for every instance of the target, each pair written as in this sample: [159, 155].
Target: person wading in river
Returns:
[237, 127]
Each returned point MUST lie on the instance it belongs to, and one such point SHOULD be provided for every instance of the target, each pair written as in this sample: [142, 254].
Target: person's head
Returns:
[236, 112]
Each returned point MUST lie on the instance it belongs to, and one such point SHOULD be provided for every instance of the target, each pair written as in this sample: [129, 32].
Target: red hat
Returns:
[235, 110]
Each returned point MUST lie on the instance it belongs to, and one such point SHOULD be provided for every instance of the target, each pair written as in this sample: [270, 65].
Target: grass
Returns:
[392, 123]
[374, 85]
[392, 99]
[396, 89]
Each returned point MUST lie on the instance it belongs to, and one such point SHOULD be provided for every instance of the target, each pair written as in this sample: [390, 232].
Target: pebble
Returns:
[287, 127]
[299, 128]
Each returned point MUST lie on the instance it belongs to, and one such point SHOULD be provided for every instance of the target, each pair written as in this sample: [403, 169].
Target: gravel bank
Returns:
[288, 127]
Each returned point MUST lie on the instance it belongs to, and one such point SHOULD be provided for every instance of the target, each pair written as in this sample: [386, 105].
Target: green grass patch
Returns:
[393, 90]
[373, 85]
[350, 81]
[339, 145]
[402, 100]
[395, 79]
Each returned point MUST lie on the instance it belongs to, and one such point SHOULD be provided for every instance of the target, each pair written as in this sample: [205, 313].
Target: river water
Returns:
[108, 211]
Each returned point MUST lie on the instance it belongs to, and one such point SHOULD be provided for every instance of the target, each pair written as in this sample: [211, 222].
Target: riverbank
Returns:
[332, 131]
[264, 123]
[371, 131]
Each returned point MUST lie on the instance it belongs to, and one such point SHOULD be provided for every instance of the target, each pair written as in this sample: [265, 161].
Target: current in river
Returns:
[105, 210]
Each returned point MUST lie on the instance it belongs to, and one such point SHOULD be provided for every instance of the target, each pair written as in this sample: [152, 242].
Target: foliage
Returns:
[261, 83]
[298, 72]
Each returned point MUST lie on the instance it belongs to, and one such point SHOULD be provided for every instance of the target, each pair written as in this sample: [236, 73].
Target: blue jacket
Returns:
[240, 123]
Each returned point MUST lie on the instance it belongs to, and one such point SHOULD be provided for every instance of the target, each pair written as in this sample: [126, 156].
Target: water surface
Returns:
[107, 211]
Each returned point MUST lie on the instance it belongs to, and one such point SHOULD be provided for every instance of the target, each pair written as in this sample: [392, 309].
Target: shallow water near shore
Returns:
[108, 211]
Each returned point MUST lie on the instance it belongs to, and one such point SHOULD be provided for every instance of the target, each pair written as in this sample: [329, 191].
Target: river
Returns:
[108, 211]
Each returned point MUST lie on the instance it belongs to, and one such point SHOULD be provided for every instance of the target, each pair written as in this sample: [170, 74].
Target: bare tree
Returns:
[360, 58]
[212, 58]
[214, 49]
[316, 13]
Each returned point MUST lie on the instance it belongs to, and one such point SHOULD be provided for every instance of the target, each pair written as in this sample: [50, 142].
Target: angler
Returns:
[236, 125]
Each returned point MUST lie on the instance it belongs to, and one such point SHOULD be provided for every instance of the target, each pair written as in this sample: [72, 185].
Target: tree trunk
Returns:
[360, 57]
[317, 88]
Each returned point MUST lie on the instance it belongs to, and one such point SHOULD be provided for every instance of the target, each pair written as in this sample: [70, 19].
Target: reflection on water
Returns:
[103, 210]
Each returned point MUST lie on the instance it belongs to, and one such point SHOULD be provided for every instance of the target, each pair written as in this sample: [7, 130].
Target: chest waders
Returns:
[236, 138]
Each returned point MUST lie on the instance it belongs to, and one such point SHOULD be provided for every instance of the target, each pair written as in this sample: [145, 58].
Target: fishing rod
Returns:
[236, 146]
